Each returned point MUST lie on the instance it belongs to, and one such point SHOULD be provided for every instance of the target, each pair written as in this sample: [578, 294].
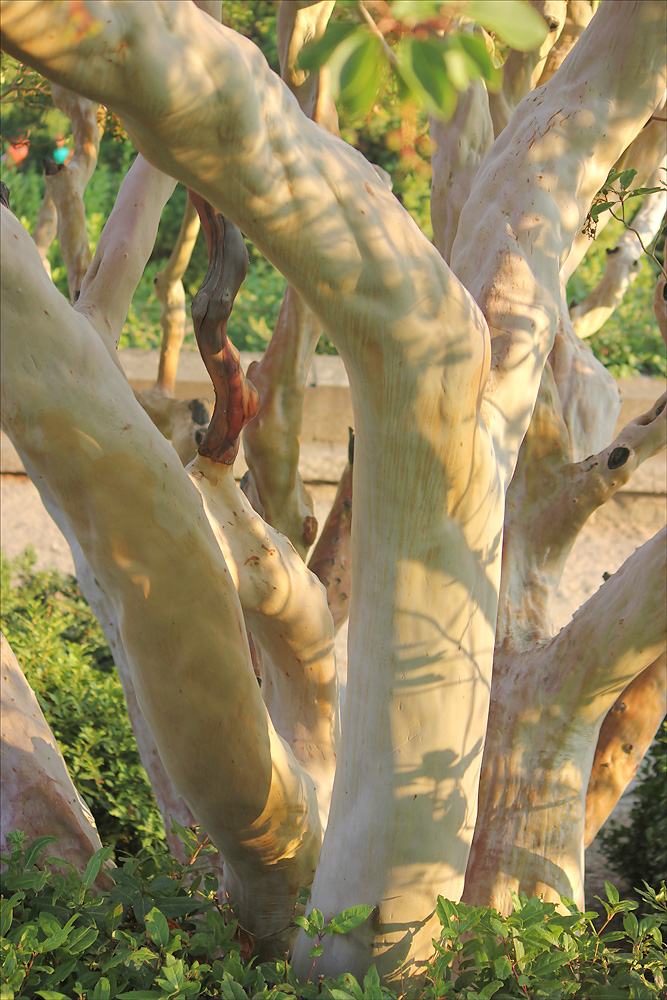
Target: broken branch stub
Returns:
[236, 399]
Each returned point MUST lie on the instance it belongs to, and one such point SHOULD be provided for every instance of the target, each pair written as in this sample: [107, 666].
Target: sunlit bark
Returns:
[444, 369]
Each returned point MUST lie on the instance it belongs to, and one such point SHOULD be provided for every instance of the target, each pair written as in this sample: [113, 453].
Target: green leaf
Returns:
[476, 48]
[157, 927]
[372, 982]
[627, 177]
[359, 75]
[102, 990]
[316, 54]
[94, 865]
[316, 951]
[516, 22]
[349, 919]
[422, 66]
[36, 848]
[612, 892]
[51, 995]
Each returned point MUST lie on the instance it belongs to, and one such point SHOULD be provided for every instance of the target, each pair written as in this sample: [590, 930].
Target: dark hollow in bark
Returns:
[618, 457]
[4, 194]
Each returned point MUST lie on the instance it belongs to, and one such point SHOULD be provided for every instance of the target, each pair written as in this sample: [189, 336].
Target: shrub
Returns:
[638, 850]
[65, 658]
[163, 932]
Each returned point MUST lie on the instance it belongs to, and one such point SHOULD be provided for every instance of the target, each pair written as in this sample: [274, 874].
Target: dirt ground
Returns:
[611, 535]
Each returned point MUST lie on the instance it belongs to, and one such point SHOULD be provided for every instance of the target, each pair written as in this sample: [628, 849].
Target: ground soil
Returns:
[611, 535]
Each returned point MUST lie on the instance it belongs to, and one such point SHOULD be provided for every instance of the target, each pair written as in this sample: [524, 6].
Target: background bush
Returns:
[65, 658]
[638, 849]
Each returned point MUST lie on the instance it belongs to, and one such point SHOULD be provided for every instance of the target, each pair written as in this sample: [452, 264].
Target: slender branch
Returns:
[66, 184]
[125, 245]
[331, 558]
[236, 398]
[626, 734]
[616, 635]
[168, 284]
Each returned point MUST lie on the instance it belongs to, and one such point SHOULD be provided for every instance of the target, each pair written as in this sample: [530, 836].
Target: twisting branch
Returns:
[271, 440]
[236, 398]
[331, 558]
[522, 70]
[45, 229]
[66, 184]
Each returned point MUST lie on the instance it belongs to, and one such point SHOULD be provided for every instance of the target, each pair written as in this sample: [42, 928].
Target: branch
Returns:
[236, 399]
[577, 18]
[271, 439]
[534, 190]
[644, 154]
[45, 229]
[616, 635]
[38, 795]
[168, 284]
[623, 262]
[626, 734]
[125, 245]
[144, 533]
[522, 70]
[461, 146]
[331, 558]
[66, 184]
[285, 608]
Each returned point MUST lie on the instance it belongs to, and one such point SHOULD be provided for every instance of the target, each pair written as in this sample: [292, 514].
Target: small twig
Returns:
[366, 17]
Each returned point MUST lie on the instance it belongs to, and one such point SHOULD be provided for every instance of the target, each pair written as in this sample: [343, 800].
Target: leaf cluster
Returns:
[163, 931]
[539, 952]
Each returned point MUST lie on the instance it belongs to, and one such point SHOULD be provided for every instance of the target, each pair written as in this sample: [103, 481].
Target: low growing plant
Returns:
[163, 931]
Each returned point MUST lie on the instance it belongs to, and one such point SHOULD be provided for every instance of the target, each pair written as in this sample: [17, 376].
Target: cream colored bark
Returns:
[38, 796]
[539, 747]
[66, 184]
[522, 70]
[143, 529]
[271, 439]
[170, 804]
[623, 261]
[45, 229]
[577, 18]
[461, 146]
[430, 428]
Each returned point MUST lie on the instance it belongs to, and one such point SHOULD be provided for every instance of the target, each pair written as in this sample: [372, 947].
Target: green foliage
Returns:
[432, 61]
[163, 931]
[638, 850]
[538, 952]
[65, 658]
[629, 343]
